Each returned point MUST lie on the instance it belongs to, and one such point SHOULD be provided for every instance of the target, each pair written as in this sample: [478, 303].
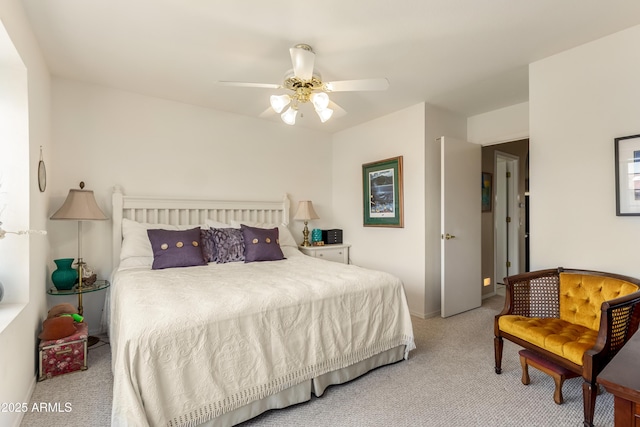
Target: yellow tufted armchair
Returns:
[576, 319]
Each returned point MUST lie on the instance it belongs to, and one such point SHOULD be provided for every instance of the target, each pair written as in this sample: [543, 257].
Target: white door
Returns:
[461, 178]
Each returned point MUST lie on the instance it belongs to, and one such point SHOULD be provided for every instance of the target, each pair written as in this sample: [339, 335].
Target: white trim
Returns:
[513, 251]
[489, 295]
[175, 211]
[8, 313]
[519, 136]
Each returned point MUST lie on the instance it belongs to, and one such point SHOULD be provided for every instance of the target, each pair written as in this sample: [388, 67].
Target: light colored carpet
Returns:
[448, 380]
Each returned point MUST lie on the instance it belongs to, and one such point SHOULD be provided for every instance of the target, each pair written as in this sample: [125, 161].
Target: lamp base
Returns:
[305, 234]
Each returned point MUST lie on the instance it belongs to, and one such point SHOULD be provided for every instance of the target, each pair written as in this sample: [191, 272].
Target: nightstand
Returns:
[335, 252]
[98, 285]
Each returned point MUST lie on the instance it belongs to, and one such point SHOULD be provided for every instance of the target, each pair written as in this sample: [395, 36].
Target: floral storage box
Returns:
[65, 355]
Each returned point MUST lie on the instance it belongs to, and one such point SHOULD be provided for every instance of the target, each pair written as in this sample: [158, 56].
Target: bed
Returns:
[219, 343]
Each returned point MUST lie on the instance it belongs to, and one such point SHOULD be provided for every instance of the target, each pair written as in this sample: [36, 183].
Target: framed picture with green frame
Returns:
[383, 193]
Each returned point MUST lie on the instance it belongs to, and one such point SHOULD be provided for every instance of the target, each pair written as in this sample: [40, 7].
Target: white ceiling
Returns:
[468, 56]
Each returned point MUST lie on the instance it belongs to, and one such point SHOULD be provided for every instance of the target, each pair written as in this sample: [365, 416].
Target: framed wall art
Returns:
[383, 193]
[627, 158]
[486, 191]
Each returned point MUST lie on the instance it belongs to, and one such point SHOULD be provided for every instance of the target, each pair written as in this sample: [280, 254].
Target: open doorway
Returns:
[504, 226]
[507, 219]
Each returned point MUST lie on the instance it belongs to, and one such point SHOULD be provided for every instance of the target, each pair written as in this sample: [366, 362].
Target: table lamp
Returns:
[304, 213]
[80, 205]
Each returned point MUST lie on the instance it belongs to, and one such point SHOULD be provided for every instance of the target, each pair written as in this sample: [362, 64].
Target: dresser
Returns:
[621, 377]
[335, 252]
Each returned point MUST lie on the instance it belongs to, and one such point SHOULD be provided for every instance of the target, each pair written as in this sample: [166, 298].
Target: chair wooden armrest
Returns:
[619, 320]
[532, 294]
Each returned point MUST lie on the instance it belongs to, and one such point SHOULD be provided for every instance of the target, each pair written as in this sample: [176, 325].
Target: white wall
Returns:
[18, 339]
[151, 146]
[412, 253]
[497, 126]
[399, 251]
[580, 100]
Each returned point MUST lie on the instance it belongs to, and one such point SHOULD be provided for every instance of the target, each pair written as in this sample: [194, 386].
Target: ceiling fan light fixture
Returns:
[320, 101]
[305, 85]
[289, 116]
[325, 114]
[278, 102]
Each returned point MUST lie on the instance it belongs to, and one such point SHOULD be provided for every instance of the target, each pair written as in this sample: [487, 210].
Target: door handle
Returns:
[448, 236]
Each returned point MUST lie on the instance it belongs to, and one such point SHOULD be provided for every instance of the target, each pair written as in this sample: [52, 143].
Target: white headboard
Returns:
[172, 211]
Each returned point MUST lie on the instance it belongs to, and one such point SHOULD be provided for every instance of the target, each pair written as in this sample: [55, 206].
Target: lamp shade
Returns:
[305, 211]
[320, 101]
[324, 114]
[278, 102]
[289, 116]
[80, 205]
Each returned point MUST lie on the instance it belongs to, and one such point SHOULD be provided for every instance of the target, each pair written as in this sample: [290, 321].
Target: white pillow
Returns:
[135, 242]
[285, 236]
[136, 261]
[209, 223]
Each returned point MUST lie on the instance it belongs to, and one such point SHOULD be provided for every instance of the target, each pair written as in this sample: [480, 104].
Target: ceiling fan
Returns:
[306, 85]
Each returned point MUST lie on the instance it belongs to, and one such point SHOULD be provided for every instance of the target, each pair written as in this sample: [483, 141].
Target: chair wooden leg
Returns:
[497, 346]
[557, 394]
[589, 394]
[525, 371]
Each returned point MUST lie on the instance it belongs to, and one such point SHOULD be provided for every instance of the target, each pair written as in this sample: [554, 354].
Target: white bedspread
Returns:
[189, 344]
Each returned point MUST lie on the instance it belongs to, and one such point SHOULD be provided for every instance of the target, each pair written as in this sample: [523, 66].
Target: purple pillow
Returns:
[175, 248]
[208, 245]
[229, 245]
[261, 244]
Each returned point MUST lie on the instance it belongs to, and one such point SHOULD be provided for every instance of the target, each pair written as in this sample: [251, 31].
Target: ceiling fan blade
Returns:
[267, 113]
[247, 84]
[302, 60]
[338, 111]
[356, 85]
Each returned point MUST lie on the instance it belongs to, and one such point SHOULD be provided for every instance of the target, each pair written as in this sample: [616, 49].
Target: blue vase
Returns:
[64, 277]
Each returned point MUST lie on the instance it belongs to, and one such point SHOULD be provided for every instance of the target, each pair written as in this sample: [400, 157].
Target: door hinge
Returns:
[508, 264]
[508, 174]
[508, 219]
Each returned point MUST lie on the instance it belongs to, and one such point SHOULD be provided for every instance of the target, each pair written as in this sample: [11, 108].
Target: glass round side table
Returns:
[98, 285]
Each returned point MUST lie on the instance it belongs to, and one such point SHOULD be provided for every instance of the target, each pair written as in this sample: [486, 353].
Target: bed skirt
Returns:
[302, 392]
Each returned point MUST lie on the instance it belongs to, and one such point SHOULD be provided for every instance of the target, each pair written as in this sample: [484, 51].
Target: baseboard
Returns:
[432, 314]
[425, 315]
[15, 417]
[96, 331]
[489, 295]
[416, 314]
